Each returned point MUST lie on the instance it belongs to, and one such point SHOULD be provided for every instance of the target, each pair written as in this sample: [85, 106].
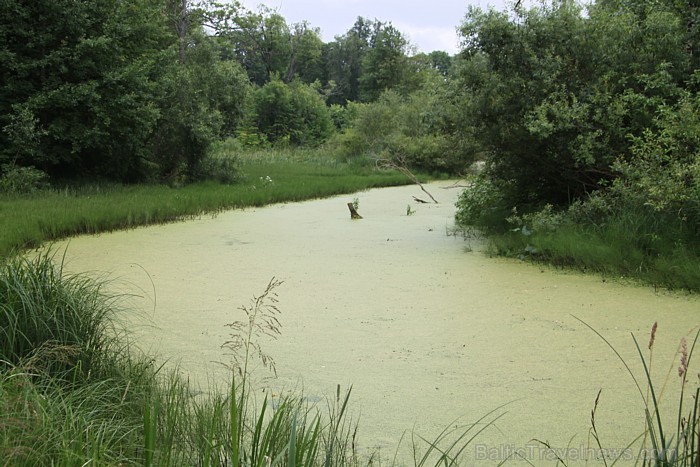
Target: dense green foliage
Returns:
[556, 95]
[408, 130]
[97, 89]
[77, 84]
[294, 113]
[588, 127]
[140, 90]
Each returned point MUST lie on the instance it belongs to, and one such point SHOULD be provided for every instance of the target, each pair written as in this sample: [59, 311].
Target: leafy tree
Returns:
[425, 70]
[313, 124]
[306, 60]
[385, 64]
[293, 113]
[367, 60]
[552, 95]
[130, 90]
[662, 172]
[78, 76]
[201, 101]
[344, 61]
[273, 112]
[262, 43]
[440, 61]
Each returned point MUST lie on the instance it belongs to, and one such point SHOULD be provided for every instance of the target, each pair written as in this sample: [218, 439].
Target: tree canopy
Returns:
[138, 90]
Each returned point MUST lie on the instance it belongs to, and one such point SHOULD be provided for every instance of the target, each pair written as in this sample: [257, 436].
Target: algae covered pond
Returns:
[425, 327]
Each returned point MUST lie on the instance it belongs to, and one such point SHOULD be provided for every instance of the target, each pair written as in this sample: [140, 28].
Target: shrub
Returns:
[339, 115]
[426, 152]
[291, 114]
[484, 205]
[22, 180]
[405, 128]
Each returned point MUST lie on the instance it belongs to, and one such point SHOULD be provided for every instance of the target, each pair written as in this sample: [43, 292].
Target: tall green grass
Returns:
[69, 387]
[44, 314]
[267, 177]
[634, 243]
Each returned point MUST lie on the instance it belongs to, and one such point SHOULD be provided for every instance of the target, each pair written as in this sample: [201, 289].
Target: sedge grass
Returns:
[615, 249]
[55, 322]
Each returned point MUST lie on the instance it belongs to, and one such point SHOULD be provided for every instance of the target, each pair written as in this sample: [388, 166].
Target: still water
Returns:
[425, 327]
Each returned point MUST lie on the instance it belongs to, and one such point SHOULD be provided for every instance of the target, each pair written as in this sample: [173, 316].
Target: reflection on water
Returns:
[423, 331]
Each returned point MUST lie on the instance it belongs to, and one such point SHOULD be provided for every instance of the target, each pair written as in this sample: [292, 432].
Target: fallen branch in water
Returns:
[456, 184]
[400, 164]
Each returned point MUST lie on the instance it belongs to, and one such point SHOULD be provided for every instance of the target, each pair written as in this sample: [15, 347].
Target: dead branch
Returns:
[400, 164]
[456, 184]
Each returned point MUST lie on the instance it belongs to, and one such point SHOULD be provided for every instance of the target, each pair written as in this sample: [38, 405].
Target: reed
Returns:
[670, 446]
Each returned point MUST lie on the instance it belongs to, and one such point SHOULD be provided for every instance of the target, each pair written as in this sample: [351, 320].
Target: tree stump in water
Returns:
[353, 212]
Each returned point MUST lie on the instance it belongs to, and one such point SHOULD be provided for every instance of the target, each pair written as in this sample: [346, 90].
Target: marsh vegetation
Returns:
[583, 119]
[265, 177]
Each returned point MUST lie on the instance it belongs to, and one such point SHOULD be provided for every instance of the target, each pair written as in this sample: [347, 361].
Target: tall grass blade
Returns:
[292, 448]
[259, 443]
[336, 421]
[311, 444]
[657, 413]
[235, 424]
[434, 445]
[690, 434]
[629, 370]
[150, 422]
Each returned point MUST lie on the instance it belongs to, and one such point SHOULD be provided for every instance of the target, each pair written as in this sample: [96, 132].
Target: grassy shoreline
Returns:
[579, 248]
[29, 221]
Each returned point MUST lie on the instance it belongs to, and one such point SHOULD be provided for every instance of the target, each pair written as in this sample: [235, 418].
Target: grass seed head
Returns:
[653, 335]
[683, 367]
